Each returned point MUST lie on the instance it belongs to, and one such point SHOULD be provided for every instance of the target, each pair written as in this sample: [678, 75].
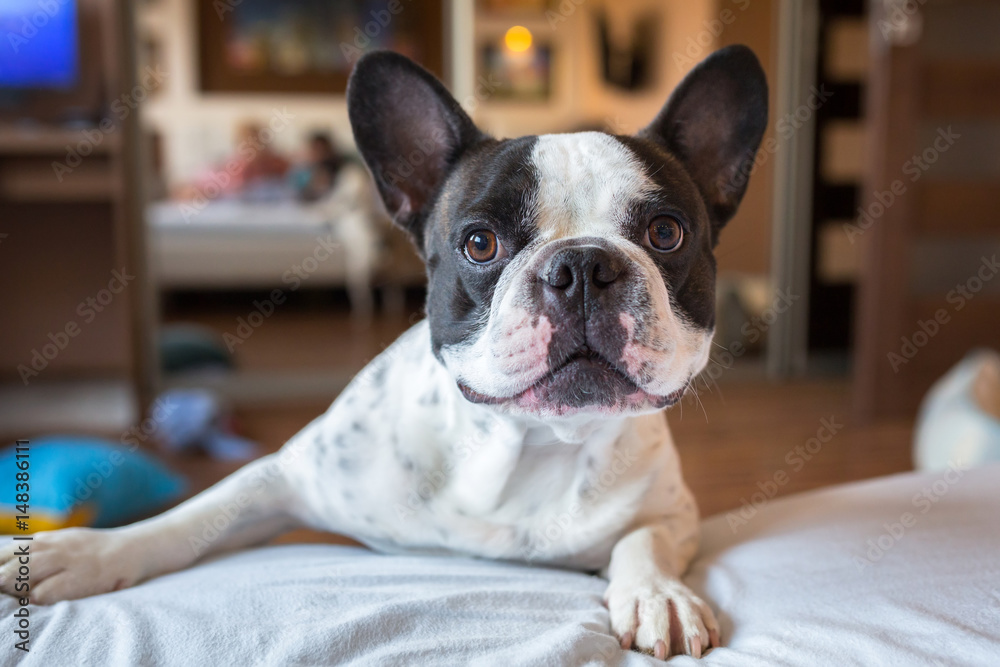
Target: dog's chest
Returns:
[550, 503]
[403, 463]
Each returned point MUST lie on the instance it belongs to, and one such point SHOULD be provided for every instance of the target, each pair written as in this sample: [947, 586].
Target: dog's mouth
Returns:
[583, 379]
[586, 360]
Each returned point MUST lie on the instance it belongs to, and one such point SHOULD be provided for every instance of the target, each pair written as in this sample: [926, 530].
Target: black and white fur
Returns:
[522, 419]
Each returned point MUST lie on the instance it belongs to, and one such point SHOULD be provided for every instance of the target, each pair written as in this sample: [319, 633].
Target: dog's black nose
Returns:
[583, 266]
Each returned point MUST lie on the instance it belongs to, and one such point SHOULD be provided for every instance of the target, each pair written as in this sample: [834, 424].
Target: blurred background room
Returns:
[194, 261]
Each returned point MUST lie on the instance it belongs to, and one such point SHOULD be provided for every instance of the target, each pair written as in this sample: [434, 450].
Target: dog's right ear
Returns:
[713, 123]
[410, 131]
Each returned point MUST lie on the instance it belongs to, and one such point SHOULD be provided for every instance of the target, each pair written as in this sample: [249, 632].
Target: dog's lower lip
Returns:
[476, 397]
[585, 355]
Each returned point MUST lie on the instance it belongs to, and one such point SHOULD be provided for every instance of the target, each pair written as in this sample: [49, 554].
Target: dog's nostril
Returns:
[605, 273]
[560, 276]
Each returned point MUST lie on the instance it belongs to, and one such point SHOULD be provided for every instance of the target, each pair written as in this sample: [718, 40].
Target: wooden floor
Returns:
[743, 436]
[311, 332]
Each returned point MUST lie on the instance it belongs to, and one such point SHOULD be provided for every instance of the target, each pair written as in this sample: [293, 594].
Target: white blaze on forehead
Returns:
[586, 182]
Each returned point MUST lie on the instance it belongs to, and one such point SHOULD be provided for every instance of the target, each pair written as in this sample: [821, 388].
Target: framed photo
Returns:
[519, 77]
[514, 6]
[309, 46]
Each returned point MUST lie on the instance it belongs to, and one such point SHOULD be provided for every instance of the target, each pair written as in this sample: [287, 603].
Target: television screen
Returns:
[39, 44]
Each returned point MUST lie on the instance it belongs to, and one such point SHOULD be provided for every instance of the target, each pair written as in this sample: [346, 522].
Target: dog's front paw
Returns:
[660, 616]
[65, 565]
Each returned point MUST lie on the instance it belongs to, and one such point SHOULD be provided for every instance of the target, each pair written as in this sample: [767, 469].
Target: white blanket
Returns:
[799, 583]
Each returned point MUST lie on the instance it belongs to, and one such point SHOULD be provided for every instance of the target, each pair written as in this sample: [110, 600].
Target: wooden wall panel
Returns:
[921, 80]
[958, 207]
[960, 89]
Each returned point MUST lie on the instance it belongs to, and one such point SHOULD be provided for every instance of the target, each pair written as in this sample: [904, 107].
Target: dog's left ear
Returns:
[713, 122]
[410, 131]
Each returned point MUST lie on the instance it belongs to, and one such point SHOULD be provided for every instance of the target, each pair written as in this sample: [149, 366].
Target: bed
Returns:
[235, 244]
[343, 240]
[903, 570]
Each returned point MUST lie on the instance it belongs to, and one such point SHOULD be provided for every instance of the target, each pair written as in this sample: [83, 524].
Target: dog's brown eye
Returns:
[665, 234]
[482, 246]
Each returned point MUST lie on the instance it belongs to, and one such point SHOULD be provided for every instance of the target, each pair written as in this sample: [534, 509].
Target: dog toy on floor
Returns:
[84, 481]
[194, 419]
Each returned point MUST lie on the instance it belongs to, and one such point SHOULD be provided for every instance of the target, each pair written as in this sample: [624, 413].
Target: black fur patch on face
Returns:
[491, 188]
[689, 273]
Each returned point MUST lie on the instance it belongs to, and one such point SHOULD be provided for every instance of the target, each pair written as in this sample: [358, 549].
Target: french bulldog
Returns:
[571, 294]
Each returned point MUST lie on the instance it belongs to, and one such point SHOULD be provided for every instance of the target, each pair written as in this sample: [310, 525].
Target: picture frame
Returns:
[308, 46]
[514, 6]
[524, 77]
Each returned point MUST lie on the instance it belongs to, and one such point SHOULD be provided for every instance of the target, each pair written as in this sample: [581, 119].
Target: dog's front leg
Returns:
[247, 508]
[650, 607]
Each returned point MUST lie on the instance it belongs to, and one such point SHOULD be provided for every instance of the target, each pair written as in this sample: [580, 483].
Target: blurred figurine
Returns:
[256, 158]
[340, 189]
[959, 422]
[316, 178]
[254, 171]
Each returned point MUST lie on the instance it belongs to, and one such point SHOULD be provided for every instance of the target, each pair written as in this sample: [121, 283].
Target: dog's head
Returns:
[568, 273]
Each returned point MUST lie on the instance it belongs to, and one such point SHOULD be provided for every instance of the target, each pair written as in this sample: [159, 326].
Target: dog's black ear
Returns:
[410, 131]
[713, 122]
